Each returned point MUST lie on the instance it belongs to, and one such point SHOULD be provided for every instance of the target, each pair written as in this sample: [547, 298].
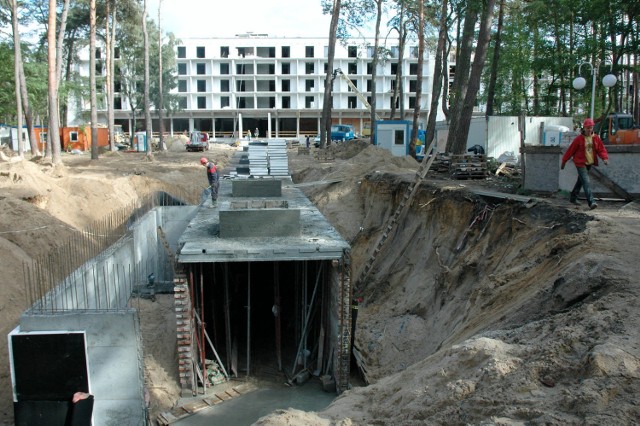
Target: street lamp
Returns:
[579, 82]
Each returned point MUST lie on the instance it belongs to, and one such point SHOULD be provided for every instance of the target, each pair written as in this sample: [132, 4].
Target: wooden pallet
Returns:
[469, 167]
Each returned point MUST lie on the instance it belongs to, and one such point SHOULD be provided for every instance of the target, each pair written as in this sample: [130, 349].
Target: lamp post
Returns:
[579, 82]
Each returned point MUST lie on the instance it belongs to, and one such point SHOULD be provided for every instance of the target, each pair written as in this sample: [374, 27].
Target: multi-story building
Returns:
[276, 85]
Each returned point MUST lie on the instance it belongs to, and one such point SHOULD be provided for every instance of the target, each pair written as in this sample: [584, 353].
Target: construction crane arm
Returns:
[353, 87]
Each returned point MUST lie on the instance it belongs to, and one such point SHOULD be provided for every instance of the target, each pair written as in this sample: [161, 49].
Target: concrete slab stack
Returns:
[278, 160]
[258, 159]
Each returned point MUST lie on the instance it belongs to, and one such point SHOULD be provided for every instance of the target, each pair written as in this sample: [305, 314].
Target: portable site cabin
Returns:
[80, 138]
[395, 136]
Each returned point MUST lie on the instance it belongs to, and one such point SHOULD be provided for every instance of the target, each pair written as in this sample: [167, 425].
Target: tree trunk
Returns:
[17, 63]
[109, 29]
[160, 88]
[54, 129]
[416, 111]
[491, 91]
[325, 121]
[463, 63]
[92, 79]
[147, 106]
[439, 70]
[374, 68]
[484, 35]
[401, 43]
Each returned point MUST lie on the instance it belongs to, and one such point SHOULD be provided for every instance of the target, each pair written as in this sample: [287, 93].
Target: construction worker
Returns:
[213, 177]
[585, 150]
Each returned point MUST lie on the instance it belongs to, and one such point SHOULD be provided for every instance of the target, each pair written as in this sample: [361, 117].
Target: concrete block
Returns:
[257, 188]
[259, 223]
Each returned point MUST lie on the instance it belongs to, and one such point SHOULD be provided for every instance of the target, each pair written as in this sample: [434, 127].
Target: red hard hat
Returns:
[203, 160]
[588, 123]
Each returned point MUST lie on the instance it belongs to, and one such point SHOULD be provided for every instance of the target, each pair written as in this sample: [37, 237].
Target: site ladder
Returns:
[402, 206]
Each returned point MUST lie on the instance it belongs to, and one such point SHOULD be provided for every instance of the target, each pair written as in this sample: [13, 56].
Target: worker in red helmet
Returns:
[585, 150]
[213, 178]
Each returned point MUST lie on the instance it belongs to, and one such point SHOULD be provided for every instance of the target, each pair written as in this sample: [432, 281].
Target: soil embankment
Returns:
[477, 310]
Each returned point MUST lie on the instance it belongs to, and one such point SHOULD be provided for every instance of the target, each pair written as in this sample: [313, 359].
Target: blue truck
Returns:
[342, 132]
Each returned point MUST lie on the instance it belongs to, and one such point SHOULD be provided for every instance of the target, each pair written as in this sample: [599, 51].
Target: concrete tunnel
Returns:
[267, 281]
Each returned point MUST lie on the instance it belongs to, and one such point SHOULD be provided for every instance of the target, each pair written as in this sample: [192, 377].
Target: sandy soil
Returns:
[477, 310]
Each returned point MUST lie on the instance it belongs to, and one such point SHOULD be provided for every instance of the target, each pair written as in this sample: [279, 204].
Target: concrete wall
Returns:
[542, 170]
[114, 353]
[94, 299]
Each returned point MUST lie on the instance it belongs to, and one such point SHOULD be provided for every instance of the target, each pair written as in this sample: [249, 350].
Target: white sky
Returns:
[224, 18]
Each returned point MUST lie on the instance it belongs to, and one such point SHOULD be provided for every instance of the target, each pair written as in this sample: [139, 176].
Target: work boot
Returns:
[593, 206]
[574, 201]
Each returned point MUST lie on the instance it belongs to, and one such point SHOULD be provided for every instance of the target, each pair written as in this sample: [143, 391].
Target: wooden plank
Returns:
[606, 181]
[192, 407]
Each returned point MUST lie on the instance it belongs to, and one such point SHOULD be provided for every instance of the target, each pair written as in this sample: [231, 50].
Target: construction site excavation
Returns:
[408, 296]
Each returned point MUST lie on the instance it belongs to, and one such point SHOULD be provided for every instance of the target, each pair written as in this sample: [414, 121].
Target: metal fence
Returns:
[65, 279]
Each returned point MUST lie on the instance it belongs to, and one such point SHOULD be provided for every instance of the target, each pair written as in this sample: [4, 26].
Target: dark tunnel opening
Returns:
[266, 318]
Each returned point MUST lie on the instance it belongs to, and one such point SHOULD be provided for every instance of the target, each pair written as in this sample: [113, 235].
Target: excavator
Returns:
[366, 130]
[618, 129]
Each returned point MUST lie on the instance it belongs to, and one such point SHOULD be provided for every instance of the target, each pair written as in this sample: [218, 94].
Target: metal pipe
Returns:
[306, 323]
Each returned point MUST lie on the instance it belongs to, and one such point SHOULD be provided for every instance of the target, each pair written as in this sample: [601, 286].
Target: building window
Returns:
[202, 86]
[326, 67]
[182, 85]
[116, 52]
[393, 85]
[397, 102]
[224, 101]
[352, 102]
[286, 85]
[117, 86]
[224, 51]
[224, 69]
[98, 53]
[308, 102]
[117, 102]
[394, 68]
[182, 52]
[202, 102]
[369, 68]
[395, 52]
[308, 85]
[272, 102]
[308, 67]
[200, 52]
[368, 85]
[370, 51]
[308, 52]
[224, 85]
[398, 137]
[286, 51]
[413, 51]
[182, 69]
[413, 69]
[286, 68]
[413, 85]
[412, 102]
[355, 83]
[286, 102]
[272, 52]
[352, 68]
[352, 51]
[182, 102]
[201, 69]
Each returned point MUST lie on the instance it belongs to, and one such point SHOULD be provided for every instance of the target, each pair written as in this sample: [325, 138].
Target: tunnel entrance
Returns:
[263, 318]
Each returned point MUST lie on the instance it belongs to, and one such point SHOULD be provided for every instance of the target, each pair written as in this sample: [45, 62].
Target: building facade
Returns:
[228, 86]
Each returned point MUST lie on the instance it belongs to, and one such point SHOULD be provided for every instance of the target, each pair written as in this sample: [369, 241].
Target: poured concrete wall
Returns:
[94, 299]
[542, 170]
[259, 223]
[256, 188]
[114, 354]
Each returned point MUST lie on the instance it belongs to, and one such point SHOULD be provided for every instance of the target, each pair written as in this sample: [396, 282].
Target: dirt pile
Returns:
[477, 310]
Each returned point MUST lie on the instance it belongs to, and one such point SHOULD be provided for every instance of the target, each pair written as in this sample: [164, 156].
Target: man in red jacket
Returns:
[585, 150]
